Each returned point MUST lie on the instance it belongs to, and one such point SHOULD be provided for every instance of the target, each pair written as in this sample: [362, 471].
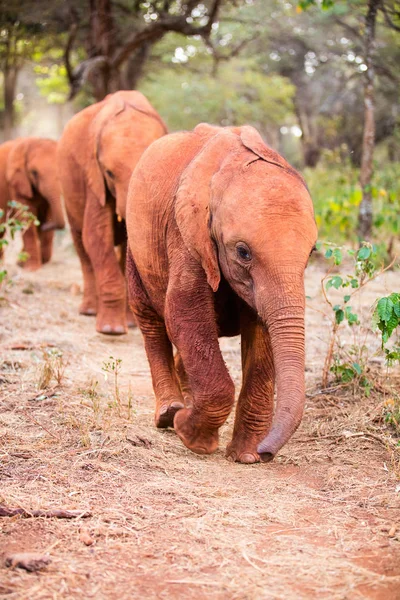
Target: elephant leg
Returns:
[184, 382]
[191, 325]
[130, 318]
[89, 303]
[98, 239]
[158, 349]
[31, 245]
[256, 400]
[46, 245]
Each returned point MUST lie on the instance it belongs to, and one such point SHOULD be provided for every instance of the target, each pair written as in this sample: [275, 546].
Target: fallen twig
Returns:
[346, 436]
[28, 560]
[6, 511]
[29, 346]
[56, 437]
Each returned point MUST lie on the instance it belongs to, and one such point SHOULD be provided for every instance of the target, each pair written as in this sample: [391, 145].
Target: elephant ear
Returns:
[17, 175]
[193, 199]
[112, 106]
[252, 140]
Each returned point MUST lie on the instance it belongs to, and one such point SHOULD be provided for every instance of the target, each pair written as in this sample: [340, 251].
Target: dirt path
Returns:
[318, 522]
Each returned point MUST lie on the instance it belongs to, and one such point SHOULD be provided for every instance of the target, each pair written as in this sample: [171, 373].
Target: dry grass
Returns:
[322, 521]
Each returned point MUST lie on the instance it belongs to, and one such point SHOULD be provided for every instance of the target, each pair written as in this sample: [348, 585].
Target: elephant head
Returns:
[243, 210]
[114, 149]
[33, 180]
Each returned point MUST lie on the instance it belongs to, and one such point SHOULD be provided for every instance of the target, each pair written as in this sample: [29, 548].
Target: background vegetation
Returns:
[298, 71]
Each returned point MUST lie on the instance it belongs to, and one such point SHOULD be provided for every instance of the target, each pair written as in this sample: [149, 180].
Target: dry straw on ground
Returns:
[322, 521]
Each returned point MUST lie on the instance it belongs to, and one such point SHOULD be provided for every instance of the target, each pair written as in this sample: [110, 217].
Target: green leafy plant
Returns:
[348, 365]
[386, 318]
[18, 218]
[337, 195]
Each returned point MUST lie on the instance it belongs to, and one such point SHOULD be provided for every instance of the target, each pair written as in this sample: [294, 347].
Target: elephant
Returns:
[220, 229]
[97, 153]
[28, 174]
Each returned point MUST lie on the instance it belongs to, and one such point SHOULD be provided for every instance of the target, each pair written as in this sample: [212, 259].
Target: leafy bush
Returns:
[18, 218]
[349, 364]
[337, 195]
[386, 318]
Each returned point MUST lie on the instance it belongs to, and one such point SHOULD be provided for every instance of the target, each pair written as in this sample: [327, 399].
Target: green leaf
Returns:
[329, 253]
[357, 368]
[335, 282]
[339, 316]
[364, 253]
[346, 298]
[392, 324]
[385, 308]
[337, 256]
[351, 317]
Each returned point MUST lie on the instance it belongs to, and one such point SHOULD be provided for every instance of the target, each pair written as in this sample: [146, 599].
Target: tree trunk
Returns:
[102, 43]
[368, 144]
[309, 136]
[134, 67]
[10, 83]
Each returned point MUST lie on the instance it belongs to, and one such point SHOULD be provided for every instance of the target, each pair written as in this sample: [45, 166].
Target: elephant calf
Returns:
[220, 229]
[28, 174]
[97, 153]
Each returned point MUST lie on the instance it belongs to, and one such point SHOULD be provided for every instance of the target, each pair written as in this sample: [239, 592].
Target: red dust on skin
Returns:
[97, 153]
[28, 174]
[220, 228]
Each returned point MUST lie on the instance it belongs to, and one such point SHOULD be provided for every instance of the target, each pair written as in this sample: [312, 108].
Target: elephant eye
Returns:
[243, 252]
[34, 173]
[110, 174]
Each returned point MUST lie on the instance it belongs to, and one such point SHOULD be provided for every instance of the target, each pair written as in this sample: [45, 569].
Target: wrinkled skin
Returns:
[220, 229]
[97, 153]
[28, 174]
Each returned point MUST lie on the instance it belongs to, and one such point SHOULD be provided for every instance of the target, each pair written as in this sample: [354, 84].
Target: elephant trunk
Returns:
[55, 218]
[286, 329]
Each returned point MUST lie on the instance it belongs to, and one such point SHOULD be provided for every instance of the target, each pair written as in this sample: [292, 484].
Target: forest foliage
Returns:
[268, 63]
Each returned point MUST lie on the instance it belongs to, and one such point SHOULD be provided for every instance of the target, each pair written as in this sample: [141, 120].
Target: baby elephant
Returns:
[220, 229]
[97, 153]
[28, 174]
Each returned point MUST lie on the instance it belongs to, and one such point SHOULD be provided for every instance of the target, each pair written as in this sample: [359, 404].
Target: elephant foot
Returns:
[130, 319]
[88, 309]
[195, 437]
[164, 416]
[109, 329]
[243, 451]
[110, 322]
[46, 258]
[29, 265]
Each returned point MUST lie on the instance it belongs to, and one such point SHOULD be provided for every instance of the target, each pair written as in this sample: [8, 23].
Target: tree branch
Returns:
[73, 30]
[155, 31]
[388, 19]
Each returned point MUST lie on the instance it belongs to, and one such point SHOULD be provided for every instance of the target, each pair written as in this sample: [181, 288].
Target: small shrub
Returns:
[18, 218]
[349, 365]
[391, 413]
[113, 367]
[52, 368]
[386, 318]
